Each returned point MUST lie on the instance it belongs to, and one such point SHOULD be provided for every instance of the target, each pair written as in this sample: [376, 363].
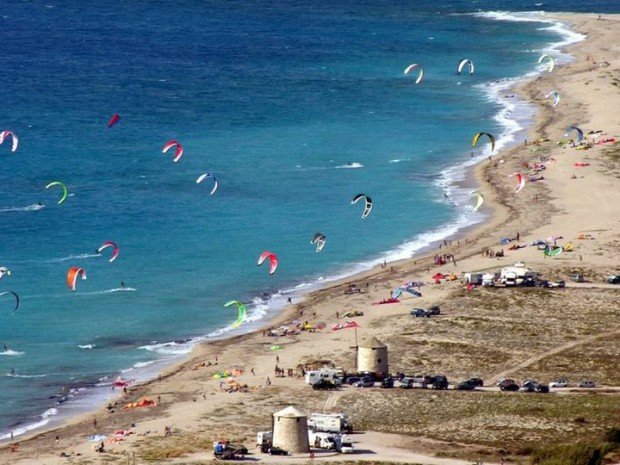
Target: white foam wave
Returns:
[568, 36]
[45, 419]
[29, 208]
[399, 160]
[17, 375]
[50, 412]
[86, 346]
[11, 353]
[169, 348]
[353, 165]
[24, 429]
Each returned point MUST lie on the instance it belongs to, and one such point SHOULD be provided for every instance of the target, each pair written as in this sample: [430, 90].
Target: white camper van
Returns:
[331, 423]
[333, 376]
[516, 275]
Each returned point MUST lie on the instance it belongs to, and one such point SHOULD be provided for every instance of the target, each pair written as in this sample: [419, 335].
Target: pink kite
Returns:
[179, 149]
[273, 261]
[347, 325]
[5, 134]
[115, 249]
[114, 119]
[520, 182]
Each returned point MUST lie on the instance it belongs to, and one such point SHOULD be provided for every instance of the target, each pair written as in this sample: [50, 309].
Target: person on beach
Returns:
[95, 423]
[518, 236]
[290, 300]
[57, 439]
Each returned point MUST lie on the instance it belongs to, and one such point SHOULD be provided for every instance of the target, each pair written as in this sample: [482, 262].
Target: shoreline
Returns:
[474, 173]
[503, 214]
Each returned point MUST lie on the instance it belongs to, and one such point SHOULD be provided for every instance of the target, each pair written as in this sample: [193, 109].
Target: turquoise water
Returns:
[294, 107]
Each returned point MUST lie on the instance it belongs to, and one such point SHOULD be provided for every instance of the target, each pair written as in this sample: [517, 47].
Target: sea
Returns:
[295, 107]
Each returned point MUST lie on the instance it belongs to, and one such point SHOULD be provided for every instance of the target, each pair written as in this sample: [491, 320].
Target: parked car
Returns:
[406, 383]
[577, 278]
[556, 284]
[351, 380]
[434, 310]
[237, 449]
[529, 386]
[510, 387]
[614, 279]
[505, 381]
[542, 388]
[559, 383]
[465, 386]
[586, 383]
[387, 383]
[476, 382]
[542, 283]
[366, 381]
[439, 382]
[324, 385]
[418, 312]
[273, 450]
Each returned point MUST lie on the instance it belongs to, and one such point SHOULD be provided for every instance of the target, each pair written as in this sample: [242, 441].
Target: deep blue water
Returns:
[275, 98]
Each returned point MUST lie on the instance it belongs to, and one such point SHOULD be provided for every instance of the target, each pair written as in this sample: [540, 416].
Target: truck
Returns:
[321, 376]
[330, 423]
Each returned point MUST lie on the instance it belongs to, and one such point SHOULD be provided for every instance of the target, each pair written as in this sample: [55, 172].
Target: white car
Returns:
[560, 383]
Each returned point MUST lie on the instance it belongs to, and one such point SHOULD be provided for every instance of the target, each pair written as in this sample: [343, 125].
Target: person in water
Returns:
[123, 284]
[6, 349]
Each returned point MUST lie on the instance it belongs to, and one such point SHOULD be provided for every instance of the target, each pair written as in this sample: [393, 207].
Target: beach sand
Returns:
[489, 333]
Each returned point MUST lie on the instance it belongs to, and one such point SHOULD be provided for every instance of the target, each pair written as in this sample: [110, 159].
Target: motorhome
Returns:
[333, 376]
[331, 423]
[516, 275]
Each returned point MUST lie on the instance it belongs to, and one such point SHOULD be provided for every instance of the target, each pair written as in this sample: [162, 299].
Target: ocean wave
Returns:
[28, 208]
[568, 36]
[11, 353]
[353, 165]
[45, 419]
[170, 348]
[17, 375]
[399, 160]
[86, 346]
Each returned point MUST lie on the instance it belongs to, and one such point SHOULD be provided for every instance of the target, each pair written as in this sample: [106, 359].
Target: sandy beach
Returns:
[487, 332]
